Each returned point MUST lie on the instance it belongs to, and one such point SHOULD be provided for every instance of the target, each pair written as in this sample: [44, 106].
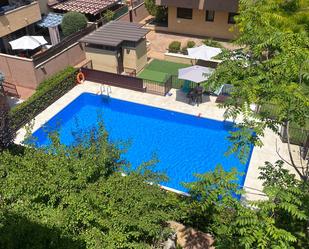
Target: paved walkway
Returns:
[178, 102]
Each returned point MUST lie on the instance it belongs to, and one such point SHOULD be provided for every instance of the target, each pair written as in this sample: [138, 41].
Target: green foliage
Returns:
[191, 44]
[6, 132]
[279, 221]
[272, 70]
[212, 43]
[75, 197]
[47, 92]
[109, 15]
[174, 47]
[184, 50]
[73, 22]
[213, 194]
[159, 12]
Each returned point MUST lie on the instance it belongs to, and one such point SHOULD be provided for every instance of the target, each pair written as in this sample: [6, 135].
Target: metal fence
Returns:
[118, 13]
[128, 81]
[298, 136]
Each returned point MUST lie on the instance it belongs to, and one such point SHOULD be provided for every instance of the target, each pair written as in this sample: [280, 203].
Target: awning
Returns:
[203, 52]
[28, 42]
[51, 20]
[195, 74]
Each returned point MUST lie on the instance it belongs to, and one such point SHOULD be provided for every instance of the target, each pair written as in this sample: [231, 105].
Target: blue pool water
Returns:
[184, 144]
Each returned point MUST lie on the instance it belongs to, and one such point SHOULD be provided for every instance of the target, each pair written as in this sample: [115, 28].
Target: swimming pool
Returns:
[184, 144]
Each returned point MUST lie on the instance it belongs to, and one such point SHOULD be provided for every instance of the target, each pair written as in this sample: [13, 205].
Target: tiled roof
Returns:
[92, 7]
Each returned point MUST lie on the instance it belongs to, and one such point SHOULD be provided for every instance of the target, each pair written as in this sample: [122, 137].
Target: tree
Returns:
[78, 193]
[272, 73]
[279, 221]
[73, 22]
[159, 12]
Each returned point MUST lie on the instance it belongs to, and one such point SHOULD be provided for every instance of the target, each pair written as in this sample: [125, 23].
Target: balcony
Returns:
[12, 19]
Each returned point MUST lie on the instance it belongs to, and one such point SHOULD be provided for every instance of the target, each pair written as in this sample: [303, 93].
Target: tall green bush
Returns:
[73, 22]
[47, 92]
[159, 12]
[75, 198]
[6, 132]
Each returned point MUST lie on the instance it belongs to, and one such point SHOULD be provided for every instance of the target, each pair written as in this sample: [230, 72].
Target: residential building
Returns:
[209, 18]
[25, 69]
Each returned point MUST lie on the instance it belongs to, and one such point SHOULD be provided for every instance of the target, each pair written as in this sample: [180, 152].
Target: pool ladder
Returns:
[105, 91]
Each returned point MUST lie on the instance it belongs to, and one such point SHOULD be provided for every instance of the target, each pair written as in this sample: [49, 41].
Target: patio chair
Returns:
[191, 95]
[199, 94]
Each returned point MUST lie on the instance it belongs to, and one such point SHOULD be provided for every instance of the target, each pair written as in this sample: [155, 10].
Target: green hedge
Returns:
[47, 92]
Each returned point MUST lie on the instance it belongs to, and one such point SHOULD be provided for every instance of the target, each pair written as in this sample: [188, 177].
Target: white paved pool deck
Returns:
[176, 102]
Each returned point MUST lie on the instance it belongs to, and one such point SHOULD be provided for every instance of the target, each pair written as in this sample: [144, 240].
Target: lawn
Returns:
[158, 70]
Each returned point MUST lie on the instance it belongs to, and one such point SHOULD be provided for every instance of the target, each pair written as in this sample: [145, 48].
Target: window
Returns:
[231, 18]
[184, 13]
[210, 15]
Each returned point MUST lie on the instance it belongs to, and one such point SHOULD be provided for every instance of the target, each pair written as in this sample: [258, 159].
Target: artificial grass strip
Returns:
[150, 75]
[159, 71]
[165, 66]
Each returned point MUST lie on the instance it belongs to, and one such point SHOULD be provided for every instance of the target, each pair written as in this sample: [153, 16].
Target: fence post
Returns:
[305, 151]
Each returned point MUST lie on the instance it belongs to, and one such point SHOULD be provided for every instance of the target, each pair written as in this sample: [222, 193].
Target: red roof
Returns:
[92, 7]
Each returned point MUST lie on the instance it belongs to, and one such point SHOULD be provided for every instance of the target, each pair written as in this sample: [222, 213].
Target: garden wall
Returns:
[184, 59]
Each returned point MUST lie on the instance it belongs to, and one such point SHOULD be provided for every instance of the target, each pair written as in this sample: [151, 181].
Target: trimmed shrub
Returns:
[48, 92]
[191, 44]
[212, 43]
[73, 22]
[174, 47]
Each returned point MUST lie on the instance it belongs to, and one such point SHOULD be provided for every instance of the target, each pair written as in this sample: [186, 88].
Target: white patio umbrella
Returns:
[203, 52]
[28, 42]
[195, 74]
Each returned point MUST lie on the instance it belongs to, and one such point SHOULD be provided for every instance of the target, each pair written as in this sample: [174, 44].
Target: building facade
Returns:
[209, 18]
[26, 71]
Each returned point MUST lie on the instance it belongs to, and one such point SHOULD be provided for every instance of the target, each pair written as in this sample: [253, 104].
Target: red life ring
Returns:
[80, 78]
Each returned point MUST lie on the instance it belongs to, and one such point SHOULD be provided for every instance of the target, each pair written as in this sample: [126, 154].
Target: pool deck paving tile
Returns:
[176, 101]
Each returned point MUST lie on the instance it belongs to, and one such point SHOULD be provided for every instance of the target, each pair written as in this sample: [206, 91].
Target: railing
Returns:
[298, 136]
[137, 3]
[65, 43]
[113, 79]
[9, 89]
[118, 13]
[159, 88]
[154, 87]
[168, 84]
[121, 11]
[178, 83]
